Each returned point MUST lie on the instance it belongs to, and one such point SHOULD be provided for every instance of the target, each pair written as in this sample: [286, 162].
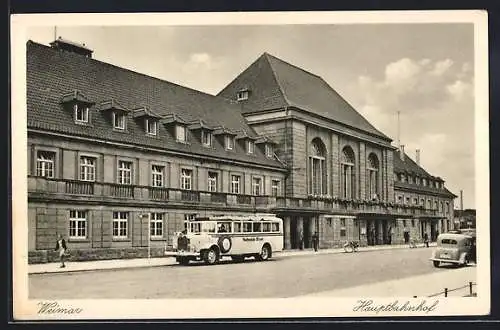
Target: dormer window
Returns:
[151, 126]
[180, 133]
[242, 95]
[81, 113]
[206, 138]
[229, 142]
[118, 113]
[118, 120]
[148, 118]
[250, 147]
[78, 103]
[269, 150]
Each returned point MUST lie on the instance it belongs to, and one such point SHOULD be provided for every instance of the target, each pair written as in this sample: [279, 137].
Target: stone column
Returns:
[380, 229]
[286, 232]
[300, 231]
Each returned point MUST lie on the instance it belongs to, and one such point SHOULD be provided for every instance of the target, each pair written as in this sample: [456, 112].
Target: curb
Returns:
[284, 254]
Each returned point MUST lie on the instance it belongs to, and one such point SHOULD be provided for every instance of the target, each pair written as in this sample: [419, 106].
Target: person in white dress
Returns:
[61, 247]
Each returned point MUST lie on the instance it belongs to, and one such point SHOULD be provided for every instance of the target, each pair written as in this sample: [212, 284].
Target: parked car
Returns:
[454, 248]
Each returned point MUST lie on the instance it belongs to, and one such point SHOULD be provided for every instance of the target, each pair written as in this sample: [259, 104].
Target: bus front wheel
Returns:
[265, 253]
[211, 256]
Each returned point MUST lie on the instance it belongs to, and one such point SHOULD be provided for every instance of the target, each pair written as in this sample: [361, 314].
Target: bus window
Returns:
[208, 227]
[257, 227]
[266, 227]
[224, 227]
[195, 227]
[247, 227]
[275, 226]
[237, 227]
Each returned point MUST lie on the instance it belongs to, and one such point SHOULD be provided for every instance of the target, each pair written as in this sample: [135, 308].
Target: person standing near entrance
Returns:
[426, 239]
[61, 247]
[301, 240]
[315, 239]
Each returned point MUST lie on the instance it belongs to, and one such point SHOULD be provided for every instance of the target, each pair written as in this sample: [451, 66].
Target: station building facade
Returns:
[108, 146]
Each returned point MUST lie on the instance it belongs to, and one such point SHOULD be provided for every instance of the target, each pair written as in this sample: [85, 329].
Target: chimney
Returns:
[70, 46]
[402, 152]
[417, 157]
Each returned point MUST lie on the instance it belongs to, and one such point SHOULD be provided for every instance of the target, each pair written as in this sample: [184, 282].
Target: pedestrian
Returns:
[426, 240]
[315, 240]
[301, 240]
[61, 247]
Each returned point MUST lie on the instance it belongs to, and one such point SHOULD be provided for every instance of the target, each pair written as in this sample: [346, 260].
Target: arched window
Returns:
[318, 171]
[348, 173]
[372, 176]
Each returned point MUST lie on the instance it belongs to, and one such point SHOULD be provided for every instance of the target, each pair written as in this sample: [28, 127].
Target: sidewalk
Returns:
[79, 266]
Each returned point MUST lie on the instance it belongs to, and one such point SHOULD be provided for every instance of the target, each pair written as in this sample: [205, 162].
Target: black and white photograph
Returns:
[236, 165]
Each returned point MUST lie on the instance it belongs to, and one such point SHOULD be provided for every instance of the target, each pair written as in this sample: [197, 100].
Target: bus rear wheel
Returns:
[265, 253]
[436, 263]
[211, 256]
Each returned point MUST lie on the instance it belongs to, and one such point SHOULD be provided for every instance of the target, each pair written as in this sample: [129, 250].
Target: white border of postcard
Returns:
[27, 309]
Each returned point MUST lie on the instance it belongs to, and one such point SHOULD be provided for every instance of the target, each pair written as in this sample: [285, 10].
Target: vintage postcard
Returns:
[250, 165]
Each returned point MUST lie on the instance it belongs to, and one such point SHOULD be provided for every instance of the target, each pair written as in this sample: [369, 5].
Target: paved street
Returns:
[279, 277]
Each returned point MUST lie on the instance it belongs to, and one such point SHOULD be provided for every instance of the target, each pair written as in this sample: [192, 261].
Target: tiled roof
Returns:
[274, 83]
[52, 73]
[409, 166]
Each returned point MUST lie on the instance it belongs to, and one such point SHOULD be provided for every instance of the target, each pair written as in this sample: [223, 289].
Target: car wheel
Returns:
[348, 249]
[211, 256]
[436, 264]
[265, 253]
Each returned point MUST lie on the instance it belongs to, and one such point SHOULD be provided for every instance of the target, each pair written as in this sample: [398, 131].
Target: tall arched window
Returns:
[372, 176]
[317, 165]
[348, 173]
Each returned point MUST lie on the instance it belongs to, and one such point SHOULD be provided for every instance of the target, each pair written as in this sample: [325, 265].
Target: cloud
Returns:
[435, 99]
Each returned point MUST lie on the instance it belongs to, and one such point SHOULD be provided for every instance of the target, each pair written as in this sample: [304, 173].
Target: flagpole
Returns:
[149, 234]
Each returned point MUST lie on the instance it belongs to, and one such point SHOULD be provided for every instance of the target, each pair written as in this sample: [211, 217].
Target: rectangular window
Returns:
[257, 186]
[257, 227]
[235, 184]
[269, 150]
[120, 223]
[87, 168]
[275, 187]
[229, 142]
[415, 201]
[124, 172]
[212, 181]
[189, 217]
[247, 227]
[180, 133]
[250, 147]
[412, 222]
[275, 227]
[237, 227]
[77, 224]
[342, 232]
[266, 227]
[45, 163]
[404, 223]
[342, 222]
[242, 95]
[186, 179]
[157, 175]
[206, 138]
[118, 120]
[151, 126]
[81, 113]
[156, 225]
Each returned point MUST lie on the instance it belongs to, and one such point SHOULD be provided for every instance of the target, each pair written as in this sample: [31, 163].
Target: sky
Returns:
[424, 71]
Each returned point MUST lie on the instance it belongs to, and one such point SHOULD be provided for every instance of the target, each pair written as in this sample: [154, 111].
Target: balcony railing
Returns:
[71, 189]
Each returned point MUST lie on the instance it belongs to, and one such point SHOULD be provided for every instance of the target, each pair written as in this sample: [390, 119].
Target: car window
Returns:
[449, 241]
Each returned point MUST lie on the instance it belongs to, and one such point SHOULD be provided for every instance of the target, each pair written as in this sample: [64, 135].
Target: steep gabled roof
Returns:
[52, 73]
[274, 83]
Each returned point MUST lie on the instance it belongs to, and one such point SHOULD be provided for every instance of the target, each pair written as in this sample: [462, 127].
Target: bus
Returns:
[238, 237]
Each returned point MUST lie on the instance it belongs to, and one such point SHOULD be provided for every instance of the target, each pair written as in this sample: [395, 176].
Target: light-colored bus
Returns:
[210, 239]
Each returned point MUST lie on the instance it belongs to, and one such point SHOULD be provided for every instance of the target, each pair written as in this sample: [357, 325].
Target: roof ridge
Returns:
[292, 65]
[266, 55]
[130, 70]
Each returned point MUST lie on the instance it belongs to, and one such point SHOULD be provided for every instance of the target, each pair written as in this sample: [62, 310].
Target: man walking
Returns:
[315, 239]
[61, 247]
[426, 239]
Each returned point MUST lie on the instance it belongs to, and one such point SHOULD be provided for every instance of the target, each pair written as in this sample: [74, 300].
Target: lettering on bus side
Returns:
[252, 239]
